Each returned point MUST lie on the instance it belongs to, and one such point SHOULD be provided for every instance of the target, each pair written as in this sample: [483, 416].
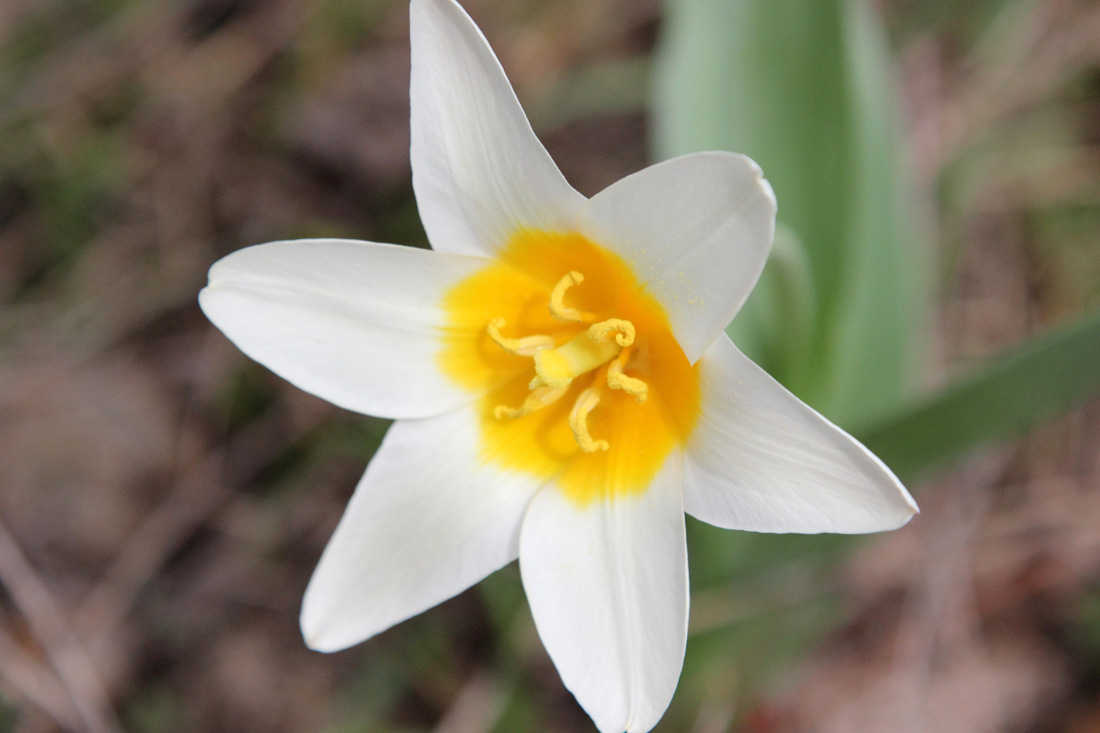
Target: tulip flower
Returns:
[561, 383]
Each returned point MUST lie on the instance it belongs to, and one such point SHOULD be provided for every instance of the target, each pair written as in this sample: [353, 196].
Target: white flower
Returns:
[562, 386]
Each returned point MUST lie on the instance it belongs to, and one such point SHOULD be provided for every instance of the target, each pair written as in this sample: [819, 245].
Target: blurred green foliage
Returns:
[809, 95]
[1046, 376]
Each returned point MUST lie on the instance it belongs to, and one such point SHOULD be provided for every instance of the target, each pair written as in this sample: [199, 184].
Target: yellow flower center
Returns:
[583, 380]
[606, 342]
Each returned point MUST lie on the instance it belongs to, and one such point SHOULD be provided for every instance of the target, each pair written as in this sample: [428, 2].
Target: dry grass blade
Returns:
[35, 682]
[48, 623]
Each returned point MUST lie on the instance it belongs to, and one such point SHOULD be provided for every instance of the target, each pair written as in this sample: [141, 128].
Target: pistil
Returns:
[580, 355]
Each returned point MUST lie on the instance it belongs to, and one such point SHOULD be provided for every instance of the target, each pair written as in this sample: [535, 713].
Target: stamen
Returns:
[536, 400]
[631, 385]
[578, 421]
[559, 309]
[622, 328]
[526, 346]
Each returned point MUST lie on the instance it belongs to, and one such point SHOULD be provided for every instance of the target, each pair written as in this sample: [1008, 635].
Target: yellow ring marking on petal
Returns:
[559, 309]
[578, 421]
[526, 346]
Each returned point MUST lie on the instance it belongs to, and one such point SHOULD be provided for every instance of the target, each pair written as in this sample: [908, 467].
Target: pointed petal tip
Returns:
[762, 460]
[909, 508]
[763, 184]
[318, 643]
[902, 512]
[767, 190]
[314, 637]
[478, 170]
[321, 632]
[324, 627]
[315, 632]
[207, 298]
[761, 181]
[611, 605]
[914, 509]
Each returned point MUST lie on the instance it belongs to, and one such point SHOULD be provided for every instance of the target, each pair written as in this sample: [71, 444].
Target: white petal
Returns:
[696, 230]
[355, 323]
[762, 460]
[608, 589]
[479, 172]
[427, 521]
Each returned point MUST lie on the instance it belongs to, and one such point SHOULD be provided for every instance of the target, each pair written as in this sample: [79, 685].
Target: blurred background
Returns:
[934, 289]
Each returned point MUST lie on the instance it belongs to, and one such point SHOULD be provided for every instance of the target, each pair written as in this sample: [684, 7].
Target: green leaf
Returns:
[1046, 376]
[807, 93]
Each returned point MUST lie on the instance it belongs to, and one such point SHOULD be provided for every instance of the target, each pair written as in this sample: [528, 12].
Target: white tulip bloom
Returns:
[562, 386]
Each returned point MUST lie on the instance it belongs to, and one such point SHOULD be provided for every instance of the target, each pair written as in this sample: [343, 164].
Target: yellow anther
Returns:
[526, 346]
[622, 328]
[536, 400]
[559, 309]
[578, 421]
[631, 385]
